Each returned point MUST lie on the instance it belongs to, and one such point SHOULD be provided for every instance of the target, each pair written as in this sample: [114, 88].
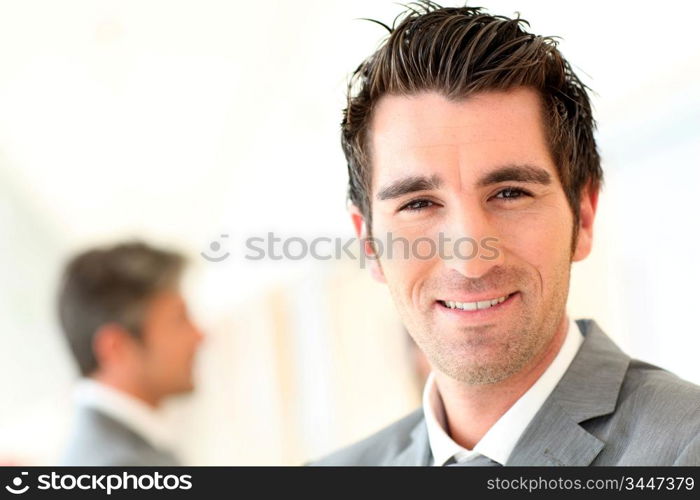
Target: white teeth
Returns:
[472, 306]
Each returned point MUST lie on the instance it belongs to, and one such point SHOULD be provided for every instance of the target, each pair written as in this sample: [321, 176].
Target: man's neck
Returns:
[471, 410]
[130, 388]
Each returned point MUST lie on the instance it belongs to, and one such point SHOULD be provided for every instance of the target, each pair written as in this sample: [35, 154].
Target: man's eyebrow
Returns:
[518, 173]
[415, 183]
[408, 185]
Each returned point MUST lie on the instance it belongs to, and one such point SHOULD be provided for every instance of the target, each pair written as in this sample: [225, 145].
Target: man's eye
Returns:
[416, 205]
[511, 194]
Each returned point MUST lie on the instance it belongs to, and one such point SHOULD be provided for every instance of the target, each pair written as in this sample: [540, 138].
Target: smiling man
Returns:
[464, 127]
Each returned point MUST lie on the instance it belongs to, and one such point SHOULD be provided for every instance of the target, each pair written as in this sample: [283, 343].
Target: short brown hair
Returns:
[111, 285]
[459, 51]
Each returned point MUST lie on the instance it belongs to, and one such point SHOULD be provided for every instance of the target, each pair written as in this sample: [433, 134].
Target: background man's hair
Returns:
[458, 52]
[111, 285]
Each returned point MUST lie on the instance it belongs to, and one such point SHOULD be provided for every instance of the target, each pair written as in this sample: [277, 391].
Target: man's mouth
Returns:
[478, 305]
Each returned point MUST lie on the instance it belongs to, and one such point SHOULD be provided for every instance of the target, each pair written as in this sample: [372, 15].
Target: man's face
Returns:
[169, 344]
[478, 168]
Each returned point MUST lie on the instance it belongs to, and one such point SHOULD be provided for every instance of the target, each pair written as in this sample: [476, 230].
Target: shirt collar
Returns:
[138, 416]
[499, 441]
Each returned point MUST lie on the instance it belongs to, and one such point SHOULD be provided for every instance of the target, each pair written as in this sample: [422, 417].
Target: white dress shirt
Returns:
[133, 413]
[499, 441]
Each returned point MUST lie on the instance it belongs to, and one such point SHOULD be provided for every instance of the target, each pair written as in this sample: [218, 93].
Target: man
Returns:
[464, 128]
[128, 328]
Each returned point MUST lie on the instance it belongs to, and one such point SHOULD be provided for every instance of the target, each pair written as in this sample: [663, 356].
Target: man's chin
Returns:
[480, 375]
[183, 389]
[478, 366]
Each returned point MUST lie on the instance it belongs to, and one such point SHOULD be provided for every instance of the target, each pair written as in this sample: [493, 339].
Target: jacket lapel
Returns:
[588, 389]
[417, 452]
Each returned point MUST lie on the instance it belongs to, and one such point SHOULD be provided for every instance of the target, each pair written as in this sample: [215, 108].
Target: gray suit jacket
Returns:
[607, 409]
[99, 440]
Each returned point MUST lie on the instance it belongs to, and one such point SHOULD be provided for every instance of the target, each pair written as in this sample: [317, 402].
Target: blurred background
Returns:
[180, 122]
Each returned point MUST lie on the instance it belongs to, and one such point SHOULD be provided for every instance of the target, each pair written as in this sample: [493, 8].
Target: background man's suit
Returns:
[608, 409]
[101, 440]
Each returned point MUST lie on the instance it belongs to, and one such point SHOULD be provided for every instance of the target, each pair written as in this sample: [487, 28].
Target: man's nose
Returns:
[474, 247]
[199, 335]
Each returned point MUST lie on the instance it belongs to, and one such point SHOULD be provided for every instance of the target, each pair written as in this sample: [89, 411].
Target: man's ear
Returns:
[588, 206]
[360, 224]
[111, 344]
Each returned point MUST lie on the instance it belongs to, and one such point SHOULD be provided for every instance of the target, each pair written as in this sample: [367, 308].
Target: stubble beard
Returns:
[466, 360]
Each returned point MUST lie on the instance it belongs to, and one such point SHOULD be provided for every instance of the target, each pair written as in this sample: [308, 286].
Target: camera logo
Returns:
[215, 246]
[17, 482]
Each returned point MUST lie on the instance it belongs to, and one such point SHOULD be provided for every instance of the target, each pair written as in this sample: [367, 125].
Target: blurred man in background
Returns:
[127, 326]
